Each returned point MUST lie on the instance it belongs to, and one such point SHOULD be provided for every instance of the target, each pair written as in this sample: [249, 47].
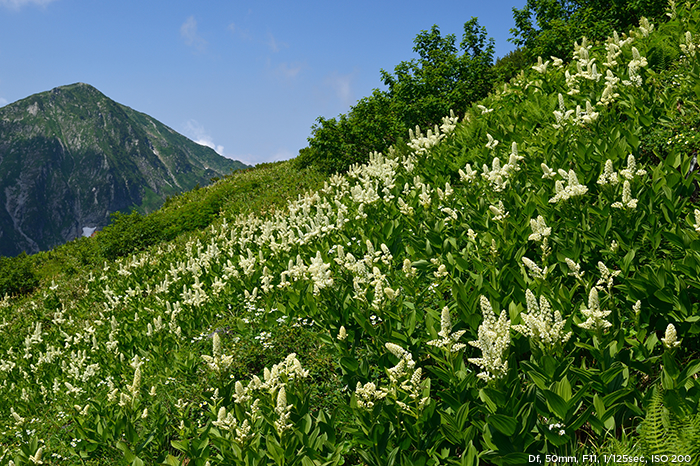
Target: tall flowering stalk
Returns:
[447, 341]
[595, 317]
[542, 325]
[494, 339]
[406, 388]
[218, 361]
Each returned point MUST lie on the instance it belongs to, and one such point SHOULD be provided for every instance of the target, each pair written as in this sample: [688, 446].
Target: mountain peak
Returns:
[71, 156]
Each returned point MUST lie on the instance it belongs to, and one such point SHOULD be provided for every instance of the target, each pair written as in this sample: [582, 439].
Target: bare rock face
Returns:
[70, 157]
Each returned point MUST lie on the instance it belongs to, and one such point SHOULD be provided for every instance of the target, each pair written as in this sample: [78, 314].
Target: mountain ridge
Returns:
[71, 156]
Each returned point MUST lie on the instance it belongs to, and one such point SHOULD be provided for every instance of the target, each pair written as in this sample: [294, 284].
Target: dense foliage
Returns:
[423, 90]
[17, 275]
[523, 281]
[550, 27]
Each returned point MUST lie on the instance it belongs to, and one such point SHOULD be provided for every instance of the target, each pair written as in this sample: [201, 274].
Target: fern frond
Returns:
[652, 431]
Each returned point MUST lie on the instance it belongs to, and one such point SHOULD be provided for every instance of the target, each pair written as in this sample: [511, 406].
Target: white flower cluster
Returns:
[499, 212]
[368, 393]
[562, 115]
[469, 175]
[535, 270]
[547, 173]
[606, 277]
[609, 176]
[274, 383]
[492, 142]
[585, 117]
[574, 269]
[218, 361]
[557, 425]
[404, 376]
[645, 27]
[494, 339]
[573, 187]
[614, 47]
[627, 201]
[696, 225]
[541, 324]
[342, 333]
[688, 47]
[595, 317]
[283, 411]
[497, 175]
[228, 422]
[541, 67]
[633, 67]
[422, 144]
[446, 341]
[320, 273]
[540, 230]
[581, 118]
[670, 337]
[609, 95]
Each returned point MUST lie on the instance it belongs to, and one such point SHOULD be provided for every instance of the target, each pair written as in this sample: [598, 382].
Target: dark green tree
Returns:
[420, 92]
[17, 275]
[441, 79]
[550, 27]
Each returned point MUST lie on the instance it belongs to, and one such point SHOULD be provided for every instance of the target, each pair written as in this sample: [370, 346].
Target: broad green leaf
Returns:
[504, 424]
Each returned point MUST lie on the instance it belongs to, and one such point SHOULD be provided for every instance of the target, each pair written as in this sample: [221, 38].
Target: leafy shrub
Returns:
[420, 92]
[128, 233]
[17, 275]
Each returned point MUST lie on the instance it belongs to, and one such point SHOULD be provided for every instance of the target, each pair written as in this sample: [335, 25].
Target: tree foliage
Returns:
[17, 275]
[420, 92]
[550, 27]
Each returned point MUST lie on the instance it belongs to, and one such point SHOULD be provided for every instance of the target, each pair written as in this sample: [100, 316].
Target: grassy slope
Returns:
[212, 273]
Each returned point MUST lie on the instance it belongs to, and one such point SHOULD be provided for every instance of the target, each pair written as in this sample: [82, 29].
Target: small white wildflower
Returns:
[447, 341]
[535, 270]
[499, 212]
[548, 172]
[494, 339]
[539, 229]
[637, 308]
[595, 316]
[670, 336]
[468, 174]
[541, 67]
[575, 269]
[614, 246]
[492, 142]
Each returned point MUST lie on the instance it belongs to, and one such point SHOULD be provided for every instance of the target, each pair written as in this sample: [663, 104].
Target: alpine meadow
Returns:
[516, 284]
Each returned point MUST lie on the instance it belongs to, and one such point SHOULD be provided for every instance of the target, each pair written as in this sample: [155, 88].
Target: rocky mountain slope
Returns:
[71, 156]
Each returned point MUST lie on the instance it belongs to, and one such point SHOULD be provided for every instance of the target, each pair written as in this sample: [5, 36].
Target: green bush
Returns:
[128, 233]
[17, 275]
[420, 92]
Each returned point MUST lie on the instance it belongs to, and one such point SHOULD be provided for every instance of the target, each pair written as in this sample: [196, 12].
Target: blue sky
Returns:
[247, 78]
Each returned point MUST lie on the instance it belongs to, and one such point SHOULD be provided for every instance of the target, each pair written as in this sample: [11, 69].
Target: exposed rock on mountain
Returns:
[71, 156]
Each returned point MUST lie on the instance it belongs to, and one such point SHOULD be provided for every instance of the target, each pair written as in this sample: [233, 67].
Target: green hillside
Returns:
[518, 285]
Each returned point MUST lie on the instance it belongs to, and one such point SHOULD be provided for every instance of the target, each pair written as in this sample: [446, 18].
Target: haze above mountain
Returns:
[70, 157]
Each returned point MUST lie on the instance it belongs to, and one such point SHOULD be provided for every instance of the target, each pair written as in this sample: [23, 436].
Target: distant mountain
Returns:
[71, 156]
